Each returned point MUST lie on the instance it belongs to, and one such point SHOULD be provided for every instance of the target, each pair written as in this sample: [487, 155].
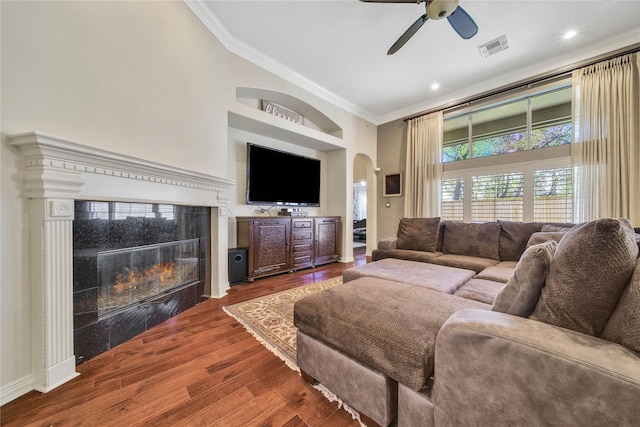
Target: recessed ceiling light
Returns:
[435, 86]
[569, 34]
[363, 183]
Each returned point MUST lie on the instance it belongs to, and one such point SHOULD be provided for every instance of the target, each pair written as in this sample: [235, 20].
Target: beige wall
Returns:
[392, 151]
[145, 79]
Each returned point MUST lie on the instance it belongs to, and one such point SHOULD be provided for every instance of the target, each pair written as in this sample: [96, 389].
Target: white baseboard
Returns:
[16, 389]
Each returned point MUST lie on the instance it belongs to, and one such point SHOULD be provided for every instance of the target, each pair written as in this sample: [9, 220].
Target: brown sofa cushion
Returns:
[420, 256]
[500, 272]
[385, 325]
[521, 293]
[467, 262]
[478, 240]
[418, 234]
[591, 267]
[480, 290]
[624, 325]
[514, 237]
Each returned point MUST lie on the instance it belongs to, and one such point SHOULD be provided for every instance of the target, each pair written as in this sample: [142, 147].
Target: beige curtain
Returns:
[423, 166]
[606, 149]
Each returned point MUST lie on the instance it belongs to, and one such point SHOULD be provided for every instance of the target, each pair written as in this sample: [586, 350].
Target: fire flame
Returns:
[163, 271]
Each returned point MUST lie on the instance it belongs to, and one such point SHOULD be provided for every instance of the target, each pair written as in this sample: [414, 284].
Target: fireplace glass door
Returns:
[131, 275]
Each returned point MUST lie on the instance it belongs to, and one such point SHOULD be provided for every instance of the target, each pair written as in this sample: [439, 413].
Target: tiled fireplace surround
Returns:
[56, 174]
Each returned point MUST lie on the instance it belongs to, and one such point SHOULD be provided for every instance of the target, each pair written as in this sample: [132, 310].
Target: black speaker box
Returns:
[237, 266]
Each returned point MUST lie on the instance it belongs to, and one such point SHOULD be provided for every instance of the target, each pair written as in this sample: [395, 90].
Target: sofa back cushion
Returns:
[514, 237]
[472, 239]
[591, 267]
[543, 236]
[418, 234]
[557, 227]
[520, 294]
[623, 326]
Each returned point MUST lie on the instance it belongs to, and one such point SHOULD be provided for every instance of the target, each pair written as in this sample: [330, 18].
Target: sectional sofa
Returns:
[483, 324]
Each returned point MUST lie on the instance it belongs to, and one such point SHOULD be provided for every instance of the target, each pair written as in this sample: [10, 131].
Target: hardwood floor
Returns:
[198, 368]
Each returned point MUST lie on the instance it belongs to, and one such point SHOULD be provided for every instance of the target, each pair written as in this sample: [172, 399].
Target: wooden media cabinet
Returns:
[285, 244]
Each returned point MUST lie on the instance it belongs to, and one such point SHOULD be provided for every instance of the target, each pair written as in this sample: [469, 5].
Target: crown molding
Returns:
[219, 31]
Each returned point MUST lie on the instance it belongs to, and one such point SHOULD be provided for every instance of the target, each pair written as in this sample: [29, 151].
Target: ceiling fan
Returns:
[435, 9]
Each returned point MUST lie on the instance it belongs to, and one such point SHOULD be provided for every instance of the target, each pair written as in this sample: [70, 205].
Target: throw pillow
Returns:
[418, 234]
[520, 294]
[591, 267]
[624, 325]
[543, 236]
[472, 239]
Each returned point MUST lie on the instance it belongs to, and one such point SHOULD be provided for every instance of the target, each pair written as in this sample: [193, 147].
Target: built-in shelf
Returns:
[319, 132]
[256, 121]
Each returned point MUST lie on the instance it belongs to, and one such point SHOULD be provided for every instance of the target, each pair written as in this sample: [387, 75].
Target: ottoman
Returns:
[362, 338]
[437, 277]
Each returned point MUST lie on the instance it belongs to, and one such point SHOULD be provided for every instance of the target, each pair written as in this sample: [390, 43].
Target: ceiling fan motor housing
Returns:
[439, 9]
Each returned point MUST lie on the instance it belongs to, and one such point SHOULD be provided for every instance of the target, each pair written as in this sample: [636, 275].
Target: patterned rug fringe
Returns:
[273, 349]
[331, 397]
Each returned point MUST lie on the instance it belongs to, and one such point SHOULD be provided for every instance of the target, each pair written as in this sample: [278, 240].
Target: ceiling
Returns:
[338, 49]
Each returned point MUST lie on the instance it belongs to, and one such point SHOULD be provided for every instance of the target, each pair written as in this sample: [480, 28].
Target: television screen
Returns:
[278, 178]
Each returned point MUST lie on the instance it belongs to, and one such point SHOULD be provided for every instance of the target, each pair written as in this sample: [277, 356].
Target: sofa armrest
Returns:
[388, 243]
[496, 369]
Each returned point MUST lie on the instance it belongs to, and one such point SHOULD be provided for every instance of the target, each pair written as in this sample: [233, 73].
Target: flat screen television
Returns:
[279, 178]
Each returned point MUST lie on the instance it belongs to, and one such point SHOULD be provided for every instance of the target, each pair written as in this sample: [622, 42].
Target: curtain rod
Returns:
[558, 72]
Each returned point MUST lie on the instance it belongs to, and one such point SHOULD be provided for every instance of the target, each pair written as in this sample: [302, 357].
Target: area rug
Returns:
[270, 318]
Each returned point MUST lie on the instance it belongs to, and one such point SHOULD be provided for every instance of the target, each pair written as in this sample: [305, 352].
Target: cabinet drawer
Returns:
[302, 248]
[302, 224]
[302, 260]
[302, 235]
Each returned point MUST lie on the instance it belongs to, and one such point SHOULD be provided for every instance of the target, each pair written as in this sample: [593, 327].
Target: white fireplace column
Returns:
[58, 172]
[52, 287]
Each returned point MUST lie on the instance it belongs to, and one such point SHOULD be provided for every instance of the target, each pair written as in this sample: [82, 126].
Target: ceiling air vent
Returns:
[494, 46]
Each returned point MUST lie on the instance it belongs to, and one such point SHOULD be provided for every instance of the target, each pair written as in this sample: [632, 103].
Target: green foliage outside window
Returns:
[551, 136]
[502, 129]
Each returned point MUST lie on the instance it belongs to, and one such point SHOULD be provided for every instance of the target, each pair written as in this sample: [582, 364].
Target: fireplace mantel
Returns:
[56, 173]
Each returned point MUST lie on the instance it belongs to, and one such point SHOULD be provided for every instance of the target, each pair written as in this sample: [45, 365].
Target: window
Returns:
[553, 196]
[497, 196]
[531, 122]
[452, 199]
[540, 191]
[551, 118]
[510, 159]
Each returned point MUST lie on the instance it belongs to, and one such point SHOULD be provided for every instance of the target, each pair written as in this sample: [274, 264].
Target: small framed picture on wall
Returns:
[392, 185]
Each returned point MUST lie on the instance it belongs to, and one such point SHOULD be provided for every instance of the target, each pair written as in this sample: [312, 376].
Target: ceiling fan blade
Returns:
[463, 23]
[408, 34]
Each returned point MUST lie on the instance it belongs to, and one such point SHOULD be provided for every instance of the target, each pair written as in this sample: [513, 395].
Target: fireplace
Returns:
[135, 265]
[60, 180]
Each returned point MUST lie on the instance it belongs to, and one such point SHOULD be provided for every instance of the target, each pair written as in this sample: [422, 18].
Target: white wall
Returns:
[145, 79]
